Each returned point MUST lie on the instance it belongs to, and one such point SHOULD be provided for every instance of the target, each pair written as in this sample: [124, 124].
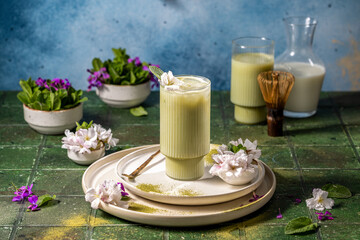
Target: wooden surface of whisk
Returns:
[275, 87]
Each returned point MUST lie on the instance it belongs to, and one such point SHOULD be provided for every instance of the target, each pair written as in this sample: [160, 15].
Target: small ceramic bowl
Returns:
[53, 122]
[124, 96]
[245, 177]
[86, 158]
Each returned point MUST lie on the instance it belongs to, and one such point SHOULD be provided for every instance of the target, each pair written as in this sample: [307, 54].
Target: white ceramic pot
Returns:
[53, 122]
[86, 158]
[124, 96]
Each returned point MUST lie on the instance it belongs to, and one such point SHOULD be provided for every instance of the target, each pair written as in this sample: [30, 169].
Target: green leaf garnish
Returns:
[337, 191]
[156, 71]
[138, 111]
[44, 199]
[84, 125]
[237, 148]
[300, 225]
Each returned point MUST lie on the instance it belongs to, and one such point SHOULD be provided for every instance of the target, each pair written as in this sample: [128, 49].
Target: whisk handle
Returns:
[275, 121]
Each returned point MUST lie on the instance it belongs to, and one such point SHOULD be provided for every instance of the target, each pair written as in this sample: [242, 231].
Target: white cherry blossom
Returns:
[90, 139]
[236, 168]
[170, 82]
[110, 192]
[319, 201]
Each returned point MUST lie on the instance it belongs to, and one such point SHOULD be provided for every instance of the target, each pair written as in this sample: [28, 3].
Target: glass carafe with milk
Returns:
[308, 69]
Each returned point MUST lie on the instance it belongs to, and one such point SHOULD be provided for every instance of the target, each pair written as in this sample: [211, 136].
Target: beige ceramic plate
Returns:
[154, 213]
[154, 184]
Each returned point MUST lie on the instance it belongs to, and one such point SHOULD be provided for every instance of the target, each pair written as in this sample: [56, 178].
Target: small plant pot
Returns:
[124, 96]
[53, 122]
[86, 158]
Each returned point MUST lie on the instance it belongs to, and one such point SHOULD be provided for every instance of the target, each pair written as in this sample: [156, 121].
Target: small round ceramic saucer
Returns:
[154, 184]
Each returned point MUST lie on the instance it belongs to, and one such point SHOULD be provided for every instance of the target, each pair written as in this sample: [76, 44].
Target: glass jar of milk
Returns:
[308, 69]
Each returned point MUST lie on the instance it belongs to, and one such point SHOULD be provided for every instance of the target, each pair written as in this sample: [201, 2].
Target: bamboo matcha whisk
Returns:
[275, 87]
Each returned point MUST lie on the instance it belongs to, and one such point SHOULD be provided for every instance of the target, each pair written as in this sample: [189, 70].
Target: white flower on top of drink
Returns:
[233, 163]
[169, 81]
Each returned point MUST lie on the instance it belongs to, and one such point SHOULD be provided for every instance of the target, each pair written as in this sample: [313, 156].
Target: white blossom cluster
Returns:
[169, 81]
[110, 192]
[87, 140]
[320, 200]
[236, 168]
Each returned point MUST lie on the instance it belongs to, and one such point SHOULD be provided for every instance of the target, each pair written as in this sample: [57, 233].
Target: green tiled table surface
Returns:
[314, 151]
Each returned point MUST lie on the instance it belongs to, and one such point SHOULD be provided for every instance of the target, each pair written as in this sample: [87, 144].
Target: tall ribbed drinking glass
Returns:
[250, 56]
[185, 127]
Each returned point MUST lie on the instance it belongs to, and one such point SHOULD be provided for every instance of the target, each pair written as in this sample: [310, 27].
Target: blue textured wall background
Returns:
[60, 38]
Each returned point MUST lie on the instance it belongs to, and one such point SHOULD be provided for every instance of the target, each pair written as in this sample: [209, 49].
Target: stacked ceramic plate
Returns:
[157, 199]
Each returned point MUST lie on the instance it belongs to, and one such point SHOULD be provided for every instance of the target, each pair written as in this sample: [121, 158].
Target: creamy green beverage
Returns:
[185, 127]
[245, 91]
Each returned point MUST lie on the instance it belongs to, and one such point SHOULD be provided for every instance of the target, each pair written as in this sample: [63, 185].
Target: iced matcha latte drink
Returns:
[185, 125]
[250, 56]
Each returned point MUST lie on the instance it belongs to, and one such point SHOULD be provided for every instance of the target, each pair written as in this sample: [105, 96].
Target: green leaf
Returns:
[57, 104]
[36, 94]
[337, 191]
[84, 125]
[120, 54]
[138, 111]
[119, 67]
[44, 199]
[132, 78]
[125, 82]
[23, 97]
[156, 71]
[112, 72]
[97, 64]
[300, 225]
[73, 96]
[26, 87]
[50, 100]
[83, 100]
[62, 93]
[39, 106]
[237, 148]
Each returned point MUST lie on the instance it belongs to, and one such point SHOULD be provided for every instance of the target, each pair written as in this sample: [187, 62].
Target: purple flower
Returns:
[56, 83]
[136, 60]
[297, 201]
[33, 206]
[255, 197]
[22, 193]
[97, 79]
[40, 82]
[280, 215]
[145, 68]
[123, 192]
[324, 216]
